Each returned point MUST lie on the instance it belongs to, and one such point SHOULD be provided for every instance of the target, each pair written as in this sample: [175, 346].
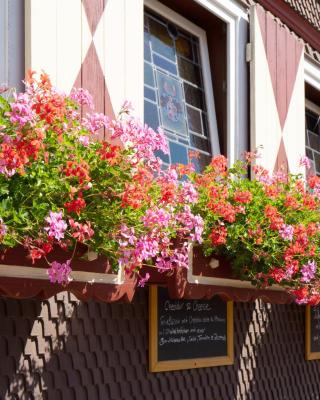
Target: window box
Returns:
[19, 278]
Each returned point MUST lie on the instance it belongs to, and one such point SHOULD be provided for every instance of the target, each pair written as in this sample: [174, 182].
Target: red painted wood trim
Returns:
[18, 288]
[94, 11]
[281, 81]
[179, 288]
[294, 21]
[282, 159]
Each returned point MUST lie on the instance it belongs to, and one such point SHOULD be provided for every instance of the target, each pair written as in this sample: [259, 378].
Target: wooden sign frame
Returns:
[309, 354]
[157, 366]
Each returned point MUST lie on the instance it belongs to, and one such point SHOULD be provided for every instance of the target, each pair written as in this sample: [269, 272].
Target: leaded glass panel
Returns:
[174, 92]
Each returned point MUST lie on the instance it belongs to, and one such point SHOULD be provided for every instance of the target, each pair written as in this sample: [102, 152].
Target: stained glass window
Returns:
[174, 91]
[313, 139]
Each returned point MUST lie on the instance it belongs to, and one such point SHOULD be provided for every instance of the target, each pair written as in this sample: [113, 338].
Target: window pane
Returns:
[160, 40]
[309, 154]
[314, 141]
[165, 64]
[148, 74]
[164, 157]
[179, 153]
[201, 162]
[199, 143]
[194, 120]
[312, 122]
[194, 96]
[147, 52]
[184, 47]
[149, 93]
[151, 115]
[189, 71]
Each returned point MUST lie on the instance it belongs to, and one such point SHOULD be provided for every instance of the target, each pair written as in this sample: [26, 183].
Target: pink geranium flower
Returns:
[21, 109]
[143, 280]
[3, 228]
[308, 271]
[60, 273]
[286, 232]
[57, 225]
[305, 162]
[82, 97]
[84, 140]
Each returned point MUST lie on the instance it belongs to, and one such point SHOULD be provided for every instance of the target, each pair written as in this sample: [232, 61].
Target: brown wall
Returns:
[63, 349]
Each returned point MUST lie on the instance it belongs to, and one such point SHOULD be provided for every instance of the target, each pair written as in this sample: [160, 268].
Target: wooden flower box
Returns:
[20, 278]
[210, 276]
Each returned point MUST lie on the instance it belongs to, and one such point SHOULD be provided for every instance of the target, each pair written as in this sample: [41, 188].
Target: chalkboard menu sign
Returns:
[313, 333]
[189, 333]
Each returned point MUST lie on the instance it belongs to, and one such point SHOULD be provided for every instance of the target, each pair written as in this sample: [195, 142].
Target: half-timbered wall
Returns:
[97, 45]
[63, 349]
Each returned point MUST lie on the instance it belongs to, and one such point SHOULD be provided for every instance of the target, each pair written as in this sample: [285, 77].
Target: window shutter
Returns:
[277, 93]
[94, 44]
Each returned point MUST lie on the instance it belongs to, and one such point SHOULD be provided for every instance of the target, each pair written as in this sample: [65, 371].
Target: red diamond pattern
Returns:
[91, 76]
[283, 53]
[94, 10]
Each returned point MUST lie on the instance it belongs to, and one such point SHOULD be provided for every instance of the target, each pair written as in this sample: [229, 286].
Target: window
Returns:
[178, 88]
[178, 72]
[313, 135]
[312, 113]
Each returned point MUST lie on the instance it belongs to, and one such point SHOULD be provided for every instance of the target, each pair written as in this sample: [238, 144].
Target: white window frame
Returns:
[237, 108]
[195, 30]
[312, 73]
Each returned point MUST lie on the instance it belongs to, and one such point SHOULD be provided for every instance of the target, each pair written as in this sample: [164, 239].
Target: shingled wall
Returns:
[64, 349]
